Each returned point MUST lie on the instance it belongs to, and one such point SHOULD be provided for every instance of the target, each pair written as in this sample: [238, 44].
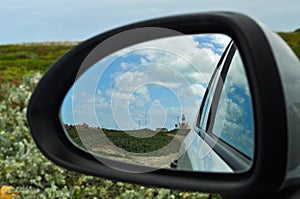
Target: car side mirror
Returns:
[248, 118]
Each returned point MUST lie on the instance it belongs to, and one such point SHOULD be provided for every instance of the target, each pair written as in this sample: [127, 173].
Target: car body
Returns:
[225, 141]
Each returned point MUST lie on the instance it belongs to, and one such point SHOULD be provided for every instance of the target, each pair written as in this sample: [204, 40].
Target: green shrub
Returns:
[293, 40]
[24, 167]
[19, 60]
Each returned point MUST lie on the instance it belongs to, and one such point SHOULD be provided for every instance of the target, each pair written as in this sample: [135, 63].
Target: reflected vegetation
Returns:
[130, 146]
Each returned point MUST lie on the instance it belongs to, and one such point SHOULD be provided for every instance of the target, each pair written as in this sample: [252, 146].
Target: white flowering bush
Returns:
[31, 175]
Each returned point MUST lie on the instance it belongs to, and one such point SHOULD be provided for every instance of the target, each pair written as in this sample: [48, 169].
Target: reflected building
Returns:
[161, 129]
[183, 124]
[82, 126]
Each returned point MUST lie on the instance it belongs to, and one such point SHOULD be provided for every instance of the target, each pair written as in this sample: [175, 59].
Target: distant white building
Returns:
[162, 129]
[82, 126]
[183, 124]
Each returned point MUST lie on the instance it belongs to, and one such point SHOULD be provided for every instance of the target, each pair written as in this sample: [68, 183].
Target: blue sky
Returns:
[76, 20]
[147, 85]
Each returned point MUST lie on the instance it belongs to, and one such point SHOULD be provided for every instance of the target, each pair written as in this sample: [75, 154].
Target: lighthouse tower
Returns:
[183, 120]
[184, 124]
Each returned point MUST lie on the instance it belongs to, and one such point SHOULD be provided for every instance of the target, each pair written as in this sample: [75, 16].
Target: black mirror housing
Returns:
[268, 170]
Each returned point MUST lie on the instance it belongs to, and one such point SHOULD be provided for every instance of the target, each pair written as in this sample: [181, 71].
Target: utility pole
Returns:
[145, 119]
[139, 124]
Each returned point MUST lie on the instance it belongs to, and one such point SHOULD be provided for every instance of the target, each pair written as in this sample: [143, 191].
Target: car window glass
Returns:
[234, 118]
[206, 107]
[208, 99]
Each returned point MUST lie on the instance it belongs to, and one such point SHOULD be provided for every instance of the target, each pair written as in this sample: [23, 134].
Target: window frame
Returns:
[234, 158]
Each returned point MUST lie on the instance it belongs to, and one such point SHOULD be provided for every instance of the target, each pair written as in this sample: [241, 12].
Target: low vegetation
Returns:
[19, 60]
[293, 39]
[142, 146]
[145, 140]
[136, 144]
[26, 173]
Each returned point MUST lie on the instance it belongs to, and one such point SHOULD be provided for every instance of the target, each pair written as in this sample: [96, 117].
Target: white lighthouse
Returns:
[184, 124]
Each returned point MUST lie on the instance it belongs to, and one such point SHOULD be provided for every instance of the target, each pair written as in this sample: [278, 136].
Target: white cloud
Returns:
[139, 98]
[101, 102]
[142, 90]
[198, 89]
[156, 101]
[182, 54]
[126, 65]
[158, 116]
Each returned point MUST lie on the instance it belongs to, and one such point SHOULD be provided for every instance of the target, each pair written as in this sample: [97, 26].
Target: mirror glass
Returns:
[141, 104]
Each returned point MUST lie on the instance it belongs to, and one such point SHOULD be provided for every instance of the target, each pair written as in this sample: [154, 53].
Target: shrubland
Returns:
[26, 173]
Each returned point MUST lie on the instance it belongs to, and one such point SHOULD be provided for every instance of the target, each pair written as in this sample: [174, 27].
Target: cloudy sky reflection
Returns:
[148, 86]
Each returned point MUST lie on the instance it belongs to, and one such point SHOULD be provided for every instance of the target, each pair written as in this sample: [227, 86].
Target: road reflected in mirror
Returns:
[141, 104]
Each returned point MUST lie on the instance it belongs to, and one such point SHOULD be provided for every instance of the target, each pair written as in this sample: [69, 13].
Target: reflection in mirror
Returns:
[234, 118]
[139, 105]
